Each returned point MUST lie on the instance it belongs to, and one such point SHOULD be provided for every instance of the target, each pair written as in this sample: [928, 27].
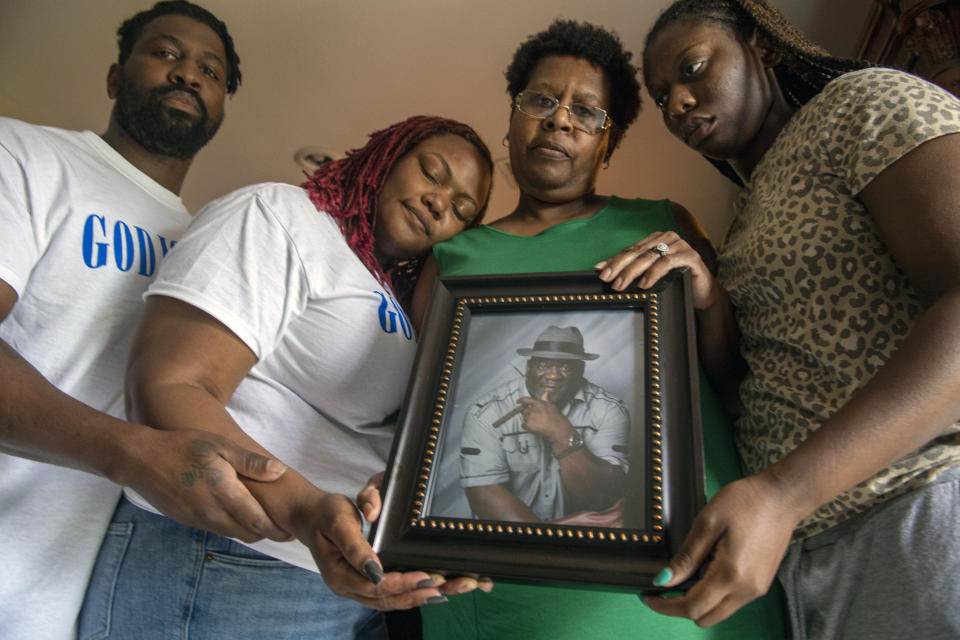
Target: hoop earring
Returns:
[506, 140]
[606, 163]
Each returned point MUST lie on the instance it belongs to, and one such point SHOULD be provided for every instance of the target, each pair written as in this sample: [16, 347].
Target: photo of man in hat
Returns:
[548, 443]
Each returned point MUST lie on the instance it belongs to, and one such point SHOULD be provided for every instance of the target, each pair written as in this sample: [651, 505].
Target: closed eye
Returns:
[428, 174]
[464, 212]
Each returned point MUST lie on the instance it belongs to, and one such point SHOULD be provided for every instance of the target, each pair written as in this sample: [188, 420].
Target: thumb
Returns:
[680, 568]
[250, 464]
[369, 500]
[346, 536]
[694, 551]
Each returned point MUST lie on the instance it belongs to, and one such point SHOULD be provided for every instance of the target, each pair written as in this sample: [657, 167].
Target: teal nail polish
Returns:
[663, 577]
[437, 599]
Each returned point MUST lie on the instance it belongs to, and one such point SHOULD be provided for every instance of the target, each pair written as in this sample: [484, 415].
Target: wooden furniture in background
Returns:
[919, 36]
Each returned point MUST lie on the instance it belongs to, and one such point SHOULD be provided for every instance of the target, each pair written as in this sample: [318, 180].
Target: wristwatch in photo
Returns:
[574, 443]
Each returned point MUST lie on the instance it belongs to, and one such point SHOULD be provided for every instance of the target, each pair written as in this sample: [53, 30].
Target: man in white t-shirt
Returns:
[84, 220]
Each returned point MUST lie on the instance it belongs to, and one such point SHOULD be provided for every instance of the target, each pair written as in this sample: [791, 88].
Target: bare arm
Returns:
[497, 502]
[593, 483]
[40, 422]
[184, 368]
[912, 399]
[718, 338]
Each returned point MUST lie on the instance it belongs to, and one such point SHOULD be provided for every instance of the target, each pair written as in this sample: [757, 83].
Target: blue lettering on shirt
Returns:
[390, 318]
[137, 246]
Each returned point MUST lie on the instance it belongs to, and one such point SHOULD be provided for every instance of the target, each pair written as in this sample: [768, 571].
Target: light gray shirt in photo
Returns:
[523, 461]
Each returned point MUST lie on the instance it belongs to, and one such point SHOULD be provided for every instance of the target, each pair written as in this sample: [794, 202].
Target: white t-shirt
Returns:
[334, 348]
[81, 234]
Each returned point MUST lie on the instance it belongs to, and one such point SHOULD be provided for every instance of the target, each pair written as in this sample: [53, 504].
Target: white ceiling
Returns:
[328, 72]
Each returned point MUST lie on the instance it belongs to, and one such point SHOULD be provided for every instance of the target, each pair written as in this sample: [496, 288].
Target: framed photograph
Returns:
[550, 433]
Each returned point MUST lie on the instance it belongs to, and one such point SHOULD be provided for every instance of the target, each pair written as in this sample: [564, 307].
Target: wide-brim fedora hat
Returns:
[558, 343]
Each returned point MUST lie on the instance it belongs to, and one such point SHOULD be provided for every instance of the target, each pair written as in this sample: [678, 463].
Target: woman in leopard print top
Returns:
[843, 266]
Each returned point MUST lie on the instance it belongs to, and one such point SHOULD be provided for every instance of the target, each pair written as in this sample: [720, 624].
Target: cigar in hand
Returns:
[509, 414]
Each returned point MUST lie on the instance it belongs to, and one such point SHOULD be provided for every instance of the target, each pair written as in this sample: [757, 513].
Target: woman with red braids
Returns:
[280, 321]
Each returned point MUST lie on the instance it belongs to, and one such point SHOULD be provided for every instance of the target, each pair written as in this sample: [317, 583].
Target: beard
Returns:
[160, 129]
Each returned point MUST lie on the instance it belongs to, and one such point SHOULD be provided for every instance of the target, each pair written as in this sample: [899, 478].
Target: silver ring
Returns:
[662, 249]
[353, 501]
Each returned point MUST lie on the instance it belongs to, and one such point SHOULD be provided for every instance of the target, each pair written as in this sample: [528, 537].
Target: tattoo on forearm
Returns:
[204, 453]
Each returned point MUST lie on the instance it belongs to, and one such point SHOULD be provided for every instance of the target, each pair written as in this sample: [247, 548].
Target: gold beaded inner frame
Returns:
[423, 527]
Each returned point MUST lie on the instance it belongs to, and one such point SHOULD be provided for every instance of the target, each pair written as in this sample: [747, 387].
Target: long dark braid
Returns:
[348, 190]
[804, 69]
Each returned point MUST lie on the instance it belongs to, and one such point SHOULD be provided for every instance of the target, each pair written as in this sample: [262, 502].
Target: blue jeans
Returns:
[156, 579]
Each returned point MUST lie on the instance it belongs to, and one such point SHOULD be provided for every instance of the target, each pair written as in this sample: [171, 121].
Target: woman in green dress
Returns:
[574, 93]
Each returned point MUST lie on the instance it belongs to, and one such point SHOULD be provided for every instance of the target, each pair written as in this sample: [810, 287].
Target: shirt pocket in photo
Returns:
[522, 450]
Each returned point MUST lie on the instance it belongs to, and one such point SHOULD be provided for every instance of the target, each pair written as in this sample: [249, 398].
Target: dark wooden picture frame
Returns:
[665, 484]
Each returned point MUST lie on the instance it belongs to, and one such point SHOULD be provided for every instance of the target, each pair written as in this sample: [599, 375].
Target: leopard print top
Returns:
[820, 301]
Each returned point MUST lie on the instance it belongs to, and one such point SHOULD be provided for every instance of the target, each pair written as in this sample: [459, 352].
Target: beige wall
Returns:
[328, 72]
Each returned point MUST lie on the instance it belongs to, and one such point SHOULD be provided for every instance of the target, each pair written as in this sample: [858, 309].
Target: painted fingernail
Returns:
[663, 577]
[436, 599]
[373, 571]
[427, 582]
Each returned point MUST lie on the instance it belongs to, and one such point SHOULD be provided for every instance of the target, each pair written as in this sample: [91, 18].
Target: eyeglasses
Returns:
[589, 119]
[542, 366]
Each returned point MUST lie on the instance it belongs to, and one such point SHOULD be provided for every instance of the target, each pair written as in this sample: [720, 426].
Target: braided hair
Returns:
[804, 68]
[348, 190]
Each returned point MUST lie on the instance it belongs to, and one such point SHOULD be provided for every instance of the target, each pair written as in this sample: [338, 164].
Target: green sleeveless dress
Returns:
[556, 613]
